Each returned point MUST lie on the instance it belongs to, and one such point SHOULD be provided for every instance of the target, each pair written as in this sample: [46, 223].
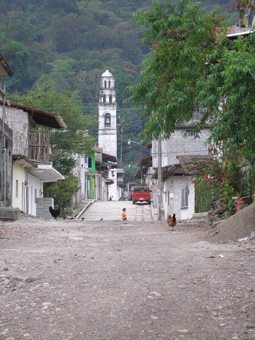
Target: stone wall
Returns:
[42, 207]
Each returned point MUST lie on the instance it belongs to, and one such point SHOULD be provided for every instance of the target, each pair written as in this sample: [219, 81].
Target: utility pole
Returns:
[4, 148]
[159, 180]
[140, 149]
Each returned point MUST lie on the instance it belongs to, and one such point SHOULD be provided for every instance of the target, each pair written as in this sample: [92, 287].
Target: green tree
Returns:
[67, 143]
[46, 96]
[62, 192]
[231, 82]
[182, 39]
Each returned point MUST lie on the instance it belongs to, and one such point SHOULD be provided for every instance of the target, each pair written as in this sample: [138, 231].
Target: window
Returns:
[110, 99]
[89, 162]
[141, 189]
[185, 198]
[104, 98]
[189, 132]
[105, 84]
[17, 188]
[109, 83]
[107, 119]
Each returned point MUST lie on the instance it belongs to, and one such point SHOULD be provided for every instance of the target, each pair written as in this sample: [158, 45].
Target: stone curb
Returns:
[84, 209]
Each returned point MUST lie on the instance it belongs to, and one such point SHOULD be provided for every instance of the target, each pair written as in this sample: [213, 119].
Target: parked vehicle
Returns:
[130, 190]
[141, 194]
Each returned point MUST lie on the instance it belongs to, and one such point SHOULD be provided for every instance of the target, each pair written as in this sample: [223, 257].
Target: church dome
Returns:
[107, 73]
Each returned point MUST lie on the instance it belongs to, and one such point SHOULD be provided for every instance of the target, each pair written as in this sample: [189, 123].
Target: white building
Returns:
[107, 107]
[178, 151]
[31, 154]
[107, 130]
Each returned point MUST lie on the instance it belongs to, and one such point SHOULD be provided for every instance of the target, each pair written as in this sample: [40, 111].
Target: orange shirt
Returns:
[123, 216]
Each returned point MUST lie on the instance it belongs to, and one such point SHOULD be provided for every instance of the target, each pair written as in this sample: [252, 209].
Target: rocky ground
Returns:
[72, 279]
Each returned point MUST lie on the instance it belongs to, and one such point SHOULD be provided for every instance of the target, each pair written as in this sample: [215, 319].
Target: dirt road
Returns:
[107, 280]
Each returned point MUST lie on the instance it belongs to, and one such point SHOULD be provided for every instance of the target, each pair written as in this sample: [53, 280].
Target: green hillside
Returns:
[73, 42]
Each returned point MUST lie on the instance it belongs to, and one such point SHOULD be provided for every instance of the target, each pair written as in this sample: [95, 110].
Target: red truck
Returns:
[141, 194]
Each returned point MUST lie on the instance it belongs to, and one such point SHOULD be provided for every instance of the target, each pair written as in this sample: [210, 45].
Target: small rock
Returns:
[31, 279]
[243, 239]
[252, 235]
[154, 317]
[5, 269]
[183, 331]
[250, 326]
[156, 293]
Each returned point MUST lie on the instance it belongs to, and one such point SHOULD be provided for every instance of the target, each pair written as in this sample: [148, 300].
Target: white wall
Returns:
[107, 136]
[172, 197]
[80, 171]
[25, 189]
[35, 190]
[179, 144]
[18, 187]
[113, 189]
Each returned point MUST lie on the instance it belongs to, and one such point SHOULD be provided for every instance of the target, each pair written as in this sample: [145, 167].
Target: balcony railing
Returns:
[39, 146]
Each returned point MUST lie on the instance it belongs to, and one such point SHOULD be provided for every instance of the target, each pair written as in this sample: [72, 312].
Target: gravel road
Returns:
[72, 279]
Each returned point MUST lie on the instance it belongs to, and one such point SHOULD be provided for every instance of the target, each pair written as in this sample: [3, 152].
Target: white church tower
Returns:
[107, 133]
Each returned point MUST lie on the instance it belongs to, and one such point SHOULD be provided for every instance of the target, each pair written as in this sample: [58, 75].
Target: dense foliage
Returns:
[72, 140]
[193, 65]
[65, 143]
[73, 42]
[183, 40]
[231, 82]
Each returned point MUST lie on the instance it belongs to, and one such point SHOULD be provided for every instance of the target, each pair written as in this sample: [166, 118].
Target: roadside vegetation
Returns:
[59, 49]
[194, 66]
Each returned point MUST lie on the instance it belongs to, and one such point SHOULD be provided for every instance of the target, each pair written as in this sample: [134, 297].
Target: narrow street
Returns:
[111, 210]
[78, 279]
